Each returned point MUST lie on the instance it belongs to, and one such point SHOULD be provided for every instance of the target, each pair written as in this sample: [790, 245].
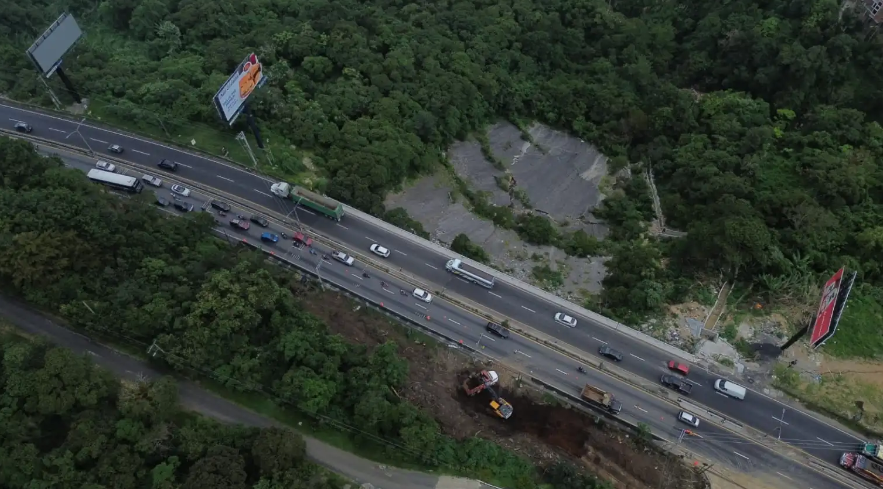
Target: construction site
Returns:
[471, 398]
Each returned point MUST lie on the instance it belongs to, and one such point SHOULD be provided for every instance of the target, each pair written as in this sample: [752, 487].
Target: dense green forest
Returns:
[67, 423]
[758, 118]
[122, 270]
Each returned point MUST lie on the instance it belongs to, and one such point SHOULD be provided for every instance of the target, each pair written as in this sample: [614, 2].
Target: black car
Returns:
[161, 202]
[168, 165]
[497, 329]
[606, 351]
[259, 220]
[221, 206]
[23, 127]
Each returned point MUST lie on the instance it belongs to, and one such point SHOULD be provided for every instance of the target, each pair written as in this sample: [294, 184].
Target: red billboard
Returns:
[822, 328]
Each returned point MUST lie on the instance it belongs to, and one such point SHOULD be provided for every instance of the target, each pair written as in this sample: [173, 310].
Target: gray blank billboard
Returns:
[58, 39]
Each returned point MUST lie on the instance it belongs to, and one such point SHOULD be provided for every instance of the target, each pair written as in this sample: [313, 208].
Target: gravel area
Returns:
[559, 174]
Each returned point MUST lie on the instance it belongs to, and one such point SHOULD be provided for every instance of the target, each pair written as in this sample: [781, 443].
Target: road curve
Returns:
[758, 411]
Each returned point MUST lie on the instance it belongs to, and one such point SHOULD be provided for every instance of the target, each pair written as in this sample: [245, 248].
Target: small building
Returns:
[875, 10]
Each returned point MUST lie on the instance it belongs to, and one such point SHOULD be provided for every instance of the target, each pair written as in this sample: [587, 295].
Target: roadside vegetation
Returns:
[759, 119]
[69, 423]
[123, 271]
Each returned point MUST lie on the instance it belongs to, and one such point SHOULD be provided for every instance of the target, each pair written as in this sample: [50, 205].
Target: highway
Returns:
[530, 358]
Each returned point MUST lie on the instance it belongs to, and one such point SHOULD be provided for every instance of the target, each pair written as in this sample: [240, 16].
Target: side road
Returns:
[199, 400]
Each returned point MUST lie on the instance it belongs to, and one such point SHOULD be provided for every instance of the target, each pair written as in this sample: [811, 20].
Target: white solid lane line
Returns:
[599, 340]
[636, 356]
[99, 141]
[430, 266]
[397, 251]
[455, 322]
[142, 152]
[224, 178]
[780, 420]
[495, 295]
[562, 371]
[783, 475]
[639, 408]
[263, 193]
[57, 130]
[829, 443]
[529, 309]
[341, 225]
[421, 307]
[743, 456]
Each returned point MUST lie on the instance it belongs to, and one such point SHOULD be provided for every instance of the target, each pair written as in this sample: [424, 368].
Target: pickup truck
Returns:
[676, 383]
[342, 257]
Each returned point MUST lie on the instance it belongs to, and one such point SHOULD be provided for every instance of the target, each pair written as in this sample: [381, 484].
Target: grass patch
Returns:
[858, 335]
[835, 395]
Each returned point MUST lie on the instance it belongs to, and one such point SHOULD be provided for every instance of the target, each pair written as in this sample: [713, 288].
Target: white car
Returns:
[380, 250]
[566, 320]
[155, 181]
[342, 258]
[422, 295]
[688, 418]
[180, 190]
[103, 165]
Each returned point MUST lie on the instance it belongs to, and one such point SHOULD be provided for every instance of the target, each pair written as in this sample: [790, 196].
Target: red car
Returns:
[678, 367]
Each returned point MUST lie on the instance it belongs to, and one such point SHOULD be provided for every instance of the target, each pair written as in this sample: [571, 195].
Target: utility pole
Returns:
[51, 93]
[77, 131]
[244, 142]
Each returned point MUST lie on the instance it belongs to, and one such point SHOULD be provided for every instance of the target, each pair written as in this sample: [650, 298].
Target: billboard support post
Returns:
[70, 86]
[253, 125]
[797, 336]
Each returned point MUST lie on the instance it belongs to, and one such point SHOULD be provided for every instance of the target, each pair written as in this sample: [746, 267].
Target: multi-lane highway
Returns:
[711, 441]
[641, 359]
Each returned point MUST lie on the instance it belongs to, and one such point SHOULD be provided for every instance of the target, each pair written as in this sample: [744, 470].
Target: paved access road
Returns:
[761, 412]
[197, 399]
[714, 442]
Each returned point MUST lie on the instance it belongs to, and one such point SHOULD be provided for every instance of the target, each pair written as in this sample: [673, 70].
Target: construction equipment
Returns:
[601, 398]
[500, 406]
[480, 381]
[865, 467]
[484, 381]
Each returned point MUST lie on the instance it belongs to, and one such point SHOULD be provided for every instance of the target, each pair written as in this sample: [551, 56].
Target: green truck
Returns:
[326, 206]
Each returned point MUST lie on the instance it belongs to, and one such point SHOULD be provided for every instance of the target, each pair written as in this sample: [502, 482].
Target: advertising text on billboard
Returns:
[249, 75]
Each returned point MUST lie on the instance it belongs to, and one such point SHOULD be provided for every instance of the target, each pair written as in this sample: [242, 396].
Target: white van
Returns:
[735, 391]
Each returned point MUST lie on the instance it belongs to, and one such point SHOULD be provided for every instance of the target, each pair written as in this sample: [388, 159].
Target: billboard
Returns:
[49, 48]
[823, 327]
[248, 77]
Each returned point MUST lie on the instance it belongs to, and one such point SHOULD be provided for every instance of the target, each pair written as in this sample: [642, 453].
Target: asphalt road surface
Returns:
[757, 410]
[531, 358]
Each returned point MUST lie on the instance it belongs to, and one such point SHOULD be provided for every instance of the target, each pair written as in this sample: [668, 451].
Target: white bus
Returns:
[116, 181]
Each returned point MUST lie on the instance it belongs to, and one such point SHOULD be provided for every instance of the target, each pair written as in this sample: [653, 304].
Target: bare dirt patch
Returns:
[559, 175]
[541, 428]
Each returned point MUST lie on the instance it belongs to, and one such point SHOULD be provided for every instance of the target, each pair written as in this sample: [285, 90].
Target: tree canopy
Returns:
[67, 423]
[126, 272]
[760, 120]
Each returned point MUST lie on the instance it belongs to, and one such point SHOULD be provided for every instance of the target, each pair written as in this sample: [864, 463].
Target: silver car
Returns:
[566, 320]
[152, 180]
[180, 190]
[688, 418]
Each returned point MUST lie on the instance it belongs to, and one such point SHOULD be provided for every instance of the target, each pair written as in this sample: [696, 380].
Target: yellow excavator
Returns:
[485, 380]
